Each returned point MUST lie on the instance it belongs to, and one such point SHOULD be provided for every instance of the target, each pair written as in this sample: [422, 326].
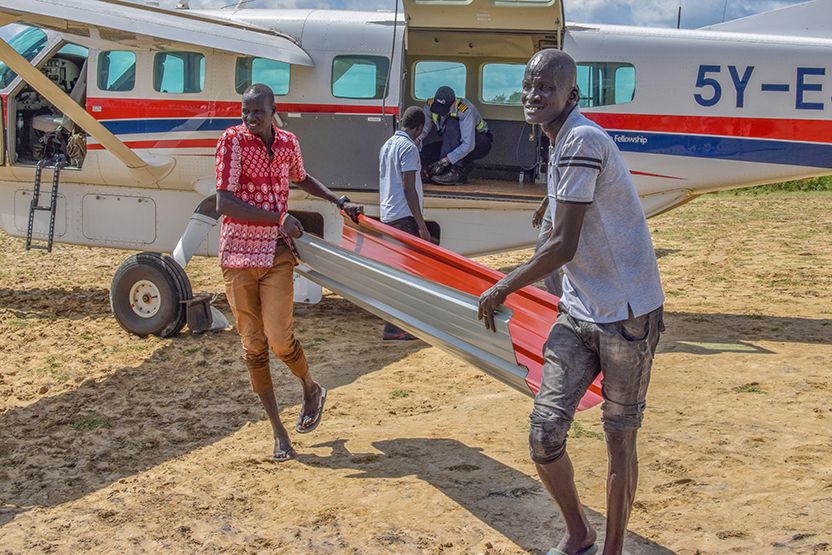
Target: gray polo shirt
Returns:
[614, 267]
[399, 154]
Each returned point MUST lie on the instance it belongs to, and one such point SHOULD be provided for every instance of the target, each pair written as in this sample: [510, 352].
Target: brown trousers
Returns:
[261, 299]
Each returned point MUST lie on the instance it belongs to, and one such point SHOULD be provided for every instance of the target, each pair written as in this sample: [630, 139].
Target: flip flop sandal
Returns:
[283, 456]
[589, 550]
[316, 416]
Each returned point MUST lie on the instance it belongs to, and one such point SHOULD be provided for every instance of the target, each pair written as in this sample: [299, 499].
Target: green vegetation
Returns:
[576, 430]
[801, 185]
[400, 394]
[54, 368]
[53, 362]
[126, 349]
[750, 388]
[91, 423]
[513, 98]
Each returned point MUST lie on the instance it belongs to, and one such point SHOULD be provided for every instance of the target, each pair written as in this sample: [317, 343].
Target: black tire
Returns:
[158, 284]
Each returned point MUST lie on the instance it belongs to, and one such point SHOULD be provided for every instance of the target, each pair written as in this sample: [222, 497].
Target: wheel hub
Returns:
[144, 299]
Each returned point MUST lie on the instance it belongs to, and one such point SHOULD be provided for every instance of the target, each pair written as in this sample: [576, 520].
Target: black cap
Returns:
[443, 100]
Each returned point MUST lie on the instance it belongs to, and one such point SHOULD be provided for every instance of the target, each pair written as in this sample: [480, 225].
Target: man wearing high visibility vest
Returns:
[460, 136]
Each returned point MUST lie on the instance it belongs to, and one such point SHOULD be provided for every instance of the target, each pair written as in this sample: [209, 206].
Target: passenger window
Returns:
[179, 72]
[606, 83]
[116, 71]
[28, 42]
[502, 83]
[429, 76]
[359, 76]
[260, 70]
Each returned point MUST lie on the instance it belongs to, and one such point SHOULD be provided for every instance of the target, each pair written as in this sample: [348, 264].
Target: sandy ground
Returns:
[114, 444]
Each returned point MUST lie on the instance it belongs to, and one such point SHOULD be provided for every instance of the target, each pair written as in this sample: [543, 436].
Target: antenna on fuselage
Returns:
[392, 57]
[239, 5]
[679, 17]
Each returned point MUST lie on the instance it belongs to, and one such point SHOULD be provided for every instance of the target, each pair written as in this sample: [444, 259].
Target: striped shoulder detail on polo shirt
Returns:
[462, 107]
[580, 162]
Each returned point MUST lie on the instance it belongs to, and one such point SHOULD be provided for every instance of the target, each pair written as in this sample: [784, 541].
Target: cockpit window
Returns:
[606, 83]
[28, 42]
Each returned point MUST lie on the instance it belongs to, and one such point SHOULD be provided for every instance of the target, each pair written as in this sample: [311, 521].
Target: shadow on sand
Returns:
[514, 504]
[710, 334]
[192, 392]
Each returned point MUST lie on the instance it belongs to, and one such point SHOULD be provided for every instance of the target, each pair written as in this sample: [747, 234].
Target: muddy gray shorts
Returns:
[575, 353]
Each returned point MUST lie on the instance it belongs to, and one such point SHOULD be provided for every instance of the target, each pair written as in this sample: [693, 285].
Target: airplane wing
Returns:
[809, 19]
[140, 25]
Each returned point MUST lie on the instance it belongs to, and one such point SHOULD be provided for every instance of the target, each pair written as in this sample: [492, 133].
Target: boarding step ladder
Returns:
[35, 206]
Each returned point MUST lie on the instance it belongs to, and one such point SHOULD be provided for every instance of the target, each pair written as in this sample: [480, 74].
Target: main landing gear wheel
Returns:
[146, 292]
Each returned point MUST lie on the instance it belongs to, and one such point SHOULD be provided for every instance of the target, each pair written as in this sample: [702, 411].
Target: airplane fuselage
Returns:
[692, 111]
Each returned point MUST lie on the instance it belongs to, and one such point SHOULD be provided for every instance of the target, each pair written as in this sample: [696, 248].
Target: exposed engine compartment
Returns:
[42, 131]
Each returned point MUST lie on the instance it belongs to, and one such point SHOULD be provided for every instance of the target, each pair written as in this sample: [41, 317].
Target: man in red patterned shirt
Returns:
[255, 162]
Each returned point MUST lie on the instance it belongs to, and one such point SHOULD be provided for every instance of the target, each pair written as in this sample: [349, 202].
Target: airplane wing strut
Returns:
[433, 294]
[141, 170]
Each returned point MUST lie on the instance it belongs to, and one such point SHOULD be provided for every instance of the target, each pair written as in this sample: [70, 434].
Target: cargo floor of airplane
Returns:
[489, 189]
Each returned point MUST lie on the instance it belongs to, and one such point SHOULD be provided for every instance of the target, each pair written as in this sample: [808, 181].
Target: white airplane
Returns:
[132, 98]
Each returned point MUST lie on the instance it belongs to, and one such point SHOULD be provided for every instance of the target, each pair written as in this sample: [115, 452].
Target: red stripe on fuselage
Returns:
[131, 108]
[816, 131]
[656, 175]
[168, 143]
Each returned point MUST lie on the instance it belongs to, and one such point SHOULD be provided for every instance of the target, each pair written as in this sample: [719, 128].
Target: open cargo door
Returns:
[2, 132]
[519, 16]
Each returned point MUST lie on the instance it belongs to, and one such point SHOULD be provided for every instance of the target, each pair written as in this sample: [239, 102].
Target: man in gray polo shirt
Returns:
[610, 314]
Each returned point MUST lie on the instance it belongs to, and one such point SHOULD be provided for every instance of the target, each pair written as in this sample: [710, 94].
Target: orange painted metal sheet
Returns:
[534, 310]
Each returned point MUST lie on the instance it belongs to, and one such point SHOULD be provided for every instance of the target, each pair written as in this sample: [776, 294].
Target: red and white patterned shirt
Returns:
[244, 168]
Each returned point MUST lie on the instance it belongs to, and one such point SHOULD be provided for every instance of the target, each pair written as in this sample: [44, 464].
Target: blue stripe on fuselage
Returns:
[136, 126]
[813, 155]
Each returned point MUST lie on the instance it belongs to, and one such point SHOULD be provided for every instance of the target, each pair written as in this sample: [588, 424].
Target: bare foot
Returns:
[579, 546]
